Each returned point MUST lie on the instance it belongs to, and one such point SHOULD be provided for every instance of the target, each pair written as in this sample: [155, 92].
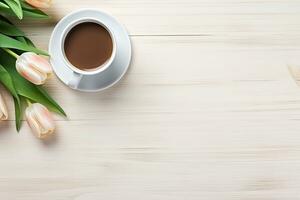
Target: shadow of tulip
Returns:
[50, 141]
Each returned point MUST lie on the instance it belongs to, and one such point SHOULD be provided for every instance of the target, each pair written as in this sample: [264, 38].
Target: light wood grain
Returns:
[208, 109]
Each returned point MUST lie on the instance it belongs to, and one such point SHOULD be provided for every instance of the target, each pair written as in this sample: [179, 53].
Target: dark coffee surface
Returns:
[88, 45]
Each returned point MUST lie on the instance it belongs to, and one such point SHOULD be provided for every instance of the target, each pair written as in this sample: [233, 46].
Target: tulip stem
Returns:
[11, 52]
[28, 102]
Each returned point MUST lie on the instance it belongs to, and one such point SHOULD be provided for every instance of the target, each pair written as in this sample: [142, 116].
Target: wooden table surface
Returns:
[208, 109]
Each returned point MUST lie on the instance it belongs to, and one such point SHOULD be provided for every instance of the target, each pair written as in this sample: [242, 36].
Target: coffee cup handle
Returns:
[75, 80]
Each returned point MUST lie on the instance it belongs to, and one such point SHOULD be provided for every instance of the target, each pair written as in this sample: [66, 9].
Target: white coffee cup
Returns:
[103, 76]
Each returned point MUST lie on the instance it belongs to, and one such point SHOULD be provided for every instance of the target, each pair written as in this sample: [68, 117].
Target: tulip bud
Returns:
[33, 67]
[40, 120]
[39, 3]
[3, 109]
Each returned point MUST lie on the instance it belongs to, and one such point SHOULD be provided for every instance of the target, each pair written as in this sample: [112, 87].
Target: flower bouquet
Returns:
[24, 68]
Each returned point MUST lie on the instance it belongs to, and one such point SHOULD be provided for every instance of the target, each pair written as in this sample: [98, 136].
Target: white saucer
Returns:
[109, 75]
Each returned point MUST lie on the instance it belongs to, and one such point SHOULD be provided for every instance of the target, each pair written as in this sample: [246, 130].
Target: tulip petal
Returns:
[44, 117]
[3, 109]
[39, 63]
[39, 3]
[32, 122]
[29, 73]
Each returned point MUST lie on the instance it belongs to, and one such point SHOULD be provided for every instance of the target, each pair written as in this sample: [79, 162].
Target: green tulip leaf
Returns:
[35, 14]
[18, 112]
[31, 91]
[16, 7]
[45, 94]
[29, 42]
[27, 12]
[7, 81]
[9, 29]
[14, 31]
[25, 40]
[30, 11]
[27, 89]
[21, 39]
[4, 18]
[7, 42]
[3, 5]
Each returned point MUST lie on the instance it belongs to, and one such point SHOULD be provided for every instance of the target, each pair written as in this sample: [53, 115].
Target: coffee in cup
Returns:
[88, 46]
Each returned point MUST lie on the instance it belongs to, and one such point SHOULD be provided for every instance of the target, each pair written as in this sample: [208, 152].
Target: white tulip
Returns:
[33, 67]
[40, 120]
